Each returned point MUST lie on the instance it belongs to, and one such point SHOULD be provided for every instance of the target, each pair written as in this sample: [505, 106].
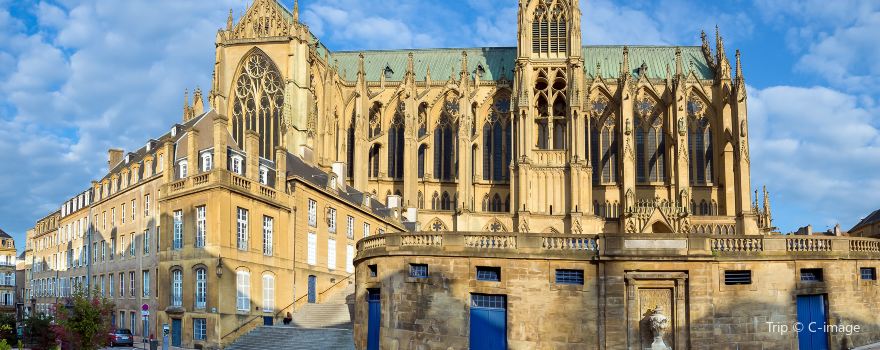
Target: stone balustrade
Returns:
[220, 177]
[619, 246]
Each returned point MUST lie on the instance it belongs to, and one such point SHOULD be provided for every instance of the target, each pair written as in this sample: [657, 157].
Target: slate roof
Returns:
[3, 234]
[296, 166]
[499, 62]
[869, 220]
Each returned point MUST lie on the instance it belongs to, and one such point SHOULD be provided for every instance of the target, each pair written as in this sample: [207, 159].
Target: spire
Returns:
[756, 201]
[679, 68]
[739, 73]
[198, 105]
[464, 62]
[598, 69]
[410, 65]
[624, 67]
[721, 61]
[361, 71]
[187, 109]
[428, 75]
[229, 21]
[295, 11]
[767, 211]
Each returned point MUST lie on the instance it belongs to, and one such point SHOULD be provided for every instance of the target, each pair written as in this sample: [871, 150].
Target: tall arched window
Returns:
[373, 170]
[176, 288]
[551, 119]
[445, 203]
[496, 141]
[395, 144]
[496, 204]
[699, 143]
[549, 28]
[201, 288]
[445, 138]
[650, 143]
[603, 142]
[350, 147]
[375, 120]
[258, 101]
[243, 290]
[421, 170]
[268, 293]
[435, 201]
[421, 200]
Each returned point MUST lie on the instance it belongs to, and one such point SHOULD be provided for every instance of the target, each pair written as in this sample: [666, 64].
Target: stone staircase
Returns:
[314, 326]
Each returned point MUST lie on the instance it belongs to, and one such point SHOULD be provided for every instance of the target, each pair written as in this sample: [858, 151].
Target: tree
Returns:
[83, 322]
[7, 328]
[37, 332]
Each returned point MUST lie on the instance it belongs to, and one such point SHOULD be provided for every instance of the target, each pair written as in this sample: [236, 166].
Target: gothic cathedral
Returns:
[551, 136]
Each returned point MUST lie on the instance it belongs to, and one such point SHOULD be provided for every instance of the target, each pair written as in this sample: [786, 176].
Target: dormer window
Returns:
[183, 168]
[207, 161]
[388, 72]
[264, 175]
[235, 164]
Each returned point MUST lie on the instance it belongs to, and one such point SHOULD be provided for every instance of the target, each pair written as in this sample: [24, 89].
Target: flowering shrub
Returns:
[83, 322]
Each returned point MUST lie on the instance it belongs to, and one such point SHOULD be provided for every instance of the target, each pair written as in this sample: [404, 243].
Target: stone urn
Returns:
[658, 323]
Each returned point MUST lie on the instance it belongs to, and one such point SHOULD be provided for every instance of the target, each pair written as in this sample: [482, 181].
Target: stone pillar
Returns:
[280, 168]
[192, 152]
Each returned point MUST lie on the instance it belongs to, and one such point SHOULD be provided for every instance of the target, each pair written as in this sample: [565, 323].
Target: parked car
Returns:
[121, 337]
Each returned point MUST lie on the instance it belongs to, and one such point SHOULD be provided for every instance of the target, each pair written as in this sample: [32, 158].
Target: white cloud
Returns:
[813, 147]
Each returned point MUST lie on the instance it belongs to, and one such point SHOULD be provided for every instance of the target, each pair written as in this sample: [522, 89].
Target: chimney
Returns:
[280, 168]
[393, 201]
[307, 154]
[340, 170]
[114, 157]
[411, 214]
[252, 150]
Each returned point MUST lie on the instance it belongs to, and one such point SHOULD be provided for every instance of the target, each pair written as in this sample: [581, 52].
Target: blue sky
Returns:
[78, 77]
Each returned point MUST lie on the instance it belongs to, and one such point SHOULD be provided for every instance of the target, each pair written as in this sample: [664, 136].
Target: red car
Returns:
[121, 337]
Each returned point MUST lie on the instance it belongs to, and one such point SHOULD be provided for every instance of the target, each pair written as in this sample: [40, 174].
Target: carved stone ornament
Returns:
[659, 323]
[523, 225]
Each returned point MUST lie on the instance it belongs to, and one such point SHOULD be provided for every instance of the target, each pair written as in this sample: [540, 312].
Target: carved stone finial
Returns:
[410, 64]
[598, 69]
[295, 11]
[361, 70]
[624, 67]
[739, 72]
[464, 62]
[707, 51]
[229, 21]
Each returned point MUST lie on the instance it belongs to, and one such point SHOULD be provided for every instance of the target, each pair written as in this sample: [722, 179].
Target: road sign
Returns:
[145, 313]
[165, 328]
[145, 307]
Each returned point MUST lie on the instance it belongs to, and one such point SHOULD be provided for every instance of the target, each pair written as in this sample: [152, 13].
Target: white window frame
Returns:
[349, 258]
[242, 229]
[313, 213]
[235, 164]
[366, 229]
[177, 241]
[243, 290]
[312, 255]
[147, 205]
[268, 293]
[184, 167]
[331, 220]
[201, 288]
[201, 222]
[145, 283]
[331, 254]
[176, 288]
[200, 328]
[349, 231]
[264, 175]
[207, 161]
[268, 235]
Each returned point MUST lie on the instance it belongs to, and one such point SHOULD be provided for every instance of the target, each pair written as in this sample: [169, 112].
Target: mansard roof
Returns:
[869, 220]
[499, 62]
[3, 234]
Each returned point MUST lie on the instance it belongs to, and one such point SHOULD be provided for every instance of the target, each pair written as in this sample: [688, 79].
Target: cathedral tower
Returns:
[552, 176]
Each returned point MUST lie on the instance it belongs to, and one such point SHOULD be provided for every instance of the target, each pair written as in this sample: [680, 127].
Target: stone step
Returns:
[293, 338]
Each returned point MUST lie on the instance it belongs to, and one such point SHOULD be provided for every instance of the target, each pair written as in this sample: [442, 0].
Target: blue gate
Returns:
[488, 322]
[175, 332]
[313, 281]
[375, 317]
[812, 318]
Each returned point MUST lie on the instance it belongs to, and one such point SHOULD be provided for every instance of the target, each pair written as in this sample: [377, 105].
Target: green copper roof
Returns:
[498, 62]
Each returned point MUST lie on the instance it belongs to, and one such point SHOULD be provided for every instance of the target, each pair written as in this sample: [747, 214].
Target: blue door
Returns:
[375, 316]
[313, 281]
[268, 320]
[488, 322]
[175, 332]
[811, 315]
